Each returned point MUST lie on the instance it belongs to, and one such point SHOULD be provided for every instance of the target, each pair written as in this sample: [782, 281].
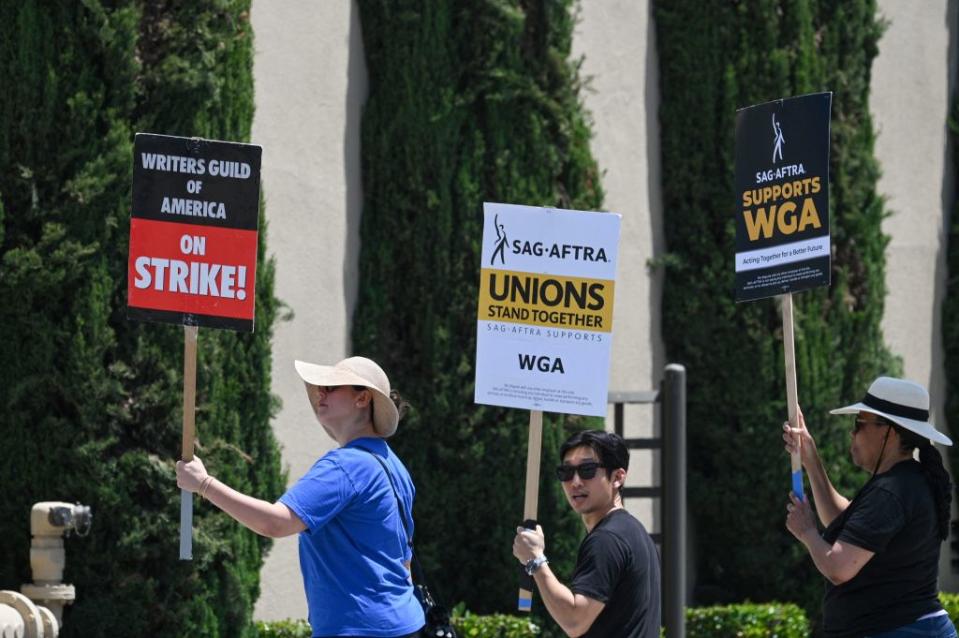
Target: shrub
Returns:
[950, 602]
[747, 620]
[283, 629]
[470, 625]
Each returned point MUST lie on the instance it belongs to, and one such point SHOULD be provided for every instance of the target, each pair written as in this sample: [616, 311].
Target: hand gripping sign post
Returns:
[782, 218]
[193, 241]
[544, 321]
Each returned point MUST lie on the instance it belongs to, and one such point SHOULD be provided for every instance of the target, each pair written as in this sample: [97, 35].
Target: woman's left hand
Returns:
[800, 519]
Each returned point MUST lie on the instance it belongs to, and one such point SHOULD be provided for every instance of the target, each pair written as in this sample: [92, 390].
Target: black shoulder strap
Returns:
[417, 570]
[396, 495]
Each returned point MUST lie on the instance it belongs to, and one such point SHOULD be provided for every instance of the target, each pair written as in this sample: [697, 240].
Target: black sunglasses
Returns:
[585, 470]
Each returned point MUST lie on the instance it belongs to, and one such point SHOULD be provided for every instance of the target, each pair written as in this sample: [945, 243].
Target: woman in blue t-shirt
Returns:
[879, 552]
[354, 548]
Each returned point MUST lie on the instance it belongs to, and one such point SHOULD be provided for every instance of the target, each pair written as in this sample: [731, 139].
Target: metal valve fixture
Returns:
[37, 611]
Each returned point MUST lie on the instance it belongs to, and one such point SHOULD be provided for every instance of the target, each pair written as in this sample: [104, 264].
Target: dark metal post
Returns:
[674, 501]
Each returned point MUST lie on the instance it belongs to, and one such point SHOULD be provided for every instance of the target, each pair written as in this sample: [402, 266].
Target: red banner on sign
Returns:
[203, 270]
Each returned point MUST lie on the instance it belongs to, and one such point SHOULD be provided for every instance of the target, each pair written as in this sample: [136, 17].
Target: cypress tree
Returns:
[715, 58]
[950, 310]
[91, 401]
[468, 102]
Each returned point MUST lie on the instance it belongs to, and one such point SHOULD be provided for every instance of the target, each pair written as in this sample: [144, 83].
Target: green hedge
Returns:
[467, 625]
[769, 620]
[470, 625]
[747, 620]
[950, 602]
[283, 629]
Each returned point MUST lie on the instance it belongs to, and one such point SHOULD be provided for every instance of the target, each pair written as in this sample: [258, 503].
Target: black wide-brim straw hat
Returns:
[903, 402]
[358, 371]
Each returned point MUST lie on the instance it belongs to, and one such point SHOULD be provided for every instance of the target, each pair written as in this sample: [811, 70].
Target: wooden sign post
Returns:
[531, 502]
[193, 250]
[189, 436]
[782, 224]
[792, 396]
[544, 322]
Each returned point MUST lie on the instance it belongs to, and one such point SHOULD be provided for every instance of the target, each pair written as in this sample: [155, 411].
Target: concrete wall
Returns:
[910, 103]
[310, 80]
[911, 91]
[617, 41]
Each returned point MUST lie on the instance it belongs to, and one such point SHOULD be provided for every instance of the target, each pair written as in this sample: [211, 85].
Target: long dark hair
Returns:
[932, 467]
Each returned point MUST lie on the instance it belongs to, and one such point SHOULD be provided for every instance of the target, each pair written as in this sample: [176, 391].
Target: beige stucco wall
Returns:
[617, 41]
[310, 79]
[910, 101]
[911, 89]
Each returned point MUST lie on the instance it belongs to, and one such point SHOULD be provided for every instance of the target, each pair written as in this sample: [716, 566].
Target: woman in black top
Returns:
[879, 551]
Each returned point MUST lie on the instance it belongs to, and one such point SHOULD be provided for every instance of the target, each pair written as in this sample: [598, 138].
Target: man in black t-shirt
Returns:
[615, 590]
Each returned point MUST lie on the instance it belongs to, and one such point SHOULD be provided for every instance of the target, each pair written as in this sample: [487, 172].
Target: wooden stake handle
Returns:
[189, 391]
[189, 435]
[533, 453]
[792, 396]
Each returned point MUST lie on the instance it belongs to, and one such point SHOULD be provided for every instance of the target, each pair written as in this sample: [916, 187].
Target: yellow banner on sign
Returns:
[551, 301]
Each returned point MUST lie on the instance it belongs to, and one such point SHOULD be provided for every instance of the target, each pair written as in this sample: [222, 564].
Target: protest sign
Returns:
[545, 315]
[782, 186]
[782, 214]
[193, 245]
[193, 232]
[545, 322]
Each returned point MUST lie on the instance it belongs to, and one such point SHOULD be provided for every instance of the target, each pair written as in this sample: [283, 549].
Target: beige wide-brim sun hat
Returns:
[362, 372]
[903, 402]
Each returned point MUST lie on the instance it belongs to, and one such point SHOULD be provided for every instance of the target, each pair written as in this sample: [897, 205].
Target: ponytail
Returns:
[936, 474]
[402, 405]
[938, 478]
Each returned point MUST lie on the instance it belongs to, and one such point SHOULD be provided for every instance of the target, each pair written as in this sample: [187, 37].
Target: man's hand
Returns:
[575, 613]
[190, 476]
[528, 544]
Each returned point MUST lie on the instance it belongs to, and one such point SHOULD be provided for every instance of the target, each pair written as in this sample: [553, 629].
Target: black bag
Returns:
[438, 624]
[437, 617]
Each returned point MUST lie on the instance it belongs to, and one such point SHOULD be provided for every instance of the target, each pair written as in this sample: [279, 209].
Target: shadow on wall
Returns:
[937, 386]
[356, 93]
[948, 575]
[654, 193]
